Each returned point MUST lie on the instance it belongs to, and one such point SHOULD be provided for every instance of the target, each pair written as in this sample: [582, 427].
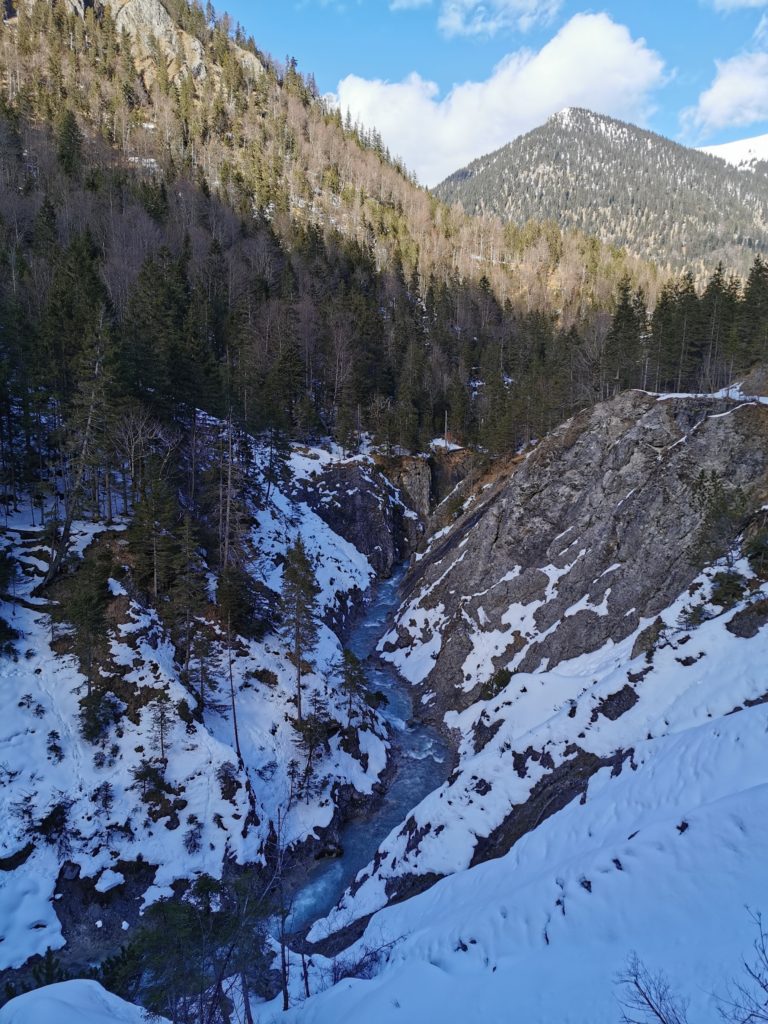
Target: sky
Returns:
[446, 81]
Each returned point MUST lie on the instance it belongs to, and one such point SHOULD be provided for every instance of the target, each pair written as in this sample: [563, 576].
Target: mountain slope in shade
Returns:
[630, 187]
[744, 154]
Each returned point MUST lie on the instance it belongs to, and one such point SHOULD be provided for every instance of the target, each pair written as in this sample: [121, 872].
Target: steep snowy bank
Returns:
[87, 844]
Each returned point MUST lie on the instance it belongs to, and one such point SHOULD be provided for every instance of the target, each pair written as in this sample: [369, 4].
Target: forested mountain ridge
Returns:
[205, 154]
[629, 187]
[252, 252]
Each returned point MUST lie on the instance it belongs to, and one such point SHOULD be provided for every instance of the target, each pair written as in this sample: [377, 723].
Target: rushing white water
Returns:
[421, 765]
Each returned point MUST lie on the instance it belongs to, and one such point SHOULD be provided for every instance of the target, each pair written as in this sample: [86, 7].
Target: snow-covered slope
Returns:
[608, 698]
[531, 749]
[72, 1002]
[743, 154]
[660, 860]
[85, 845]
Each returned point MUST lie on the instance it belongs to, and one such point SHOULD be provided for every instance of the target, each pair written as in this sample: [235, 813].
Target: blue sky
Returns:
[447, 80]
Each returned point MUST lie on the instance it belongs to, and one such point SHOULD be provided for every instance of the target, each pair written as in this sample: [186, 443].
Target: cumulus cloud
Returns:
[738, 95]
[592, 62]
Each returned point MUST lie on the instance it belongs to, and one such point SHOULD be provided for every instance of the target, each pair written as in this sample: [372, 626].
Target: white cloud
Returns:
[592, 62]
[485, 17]
[735, 5]
[738, 95]
[488, 18]
[761, 32]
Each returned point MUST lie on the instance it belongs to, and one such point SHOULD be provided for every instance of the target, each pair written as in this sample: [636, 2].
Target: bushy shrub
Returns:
[727, 589]
[498, 682]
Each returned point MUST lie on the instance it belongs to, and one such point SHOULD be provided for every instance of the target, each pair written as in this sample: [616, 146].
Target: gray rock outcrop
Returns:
[148, 20]
[361, 505]
[598, 528]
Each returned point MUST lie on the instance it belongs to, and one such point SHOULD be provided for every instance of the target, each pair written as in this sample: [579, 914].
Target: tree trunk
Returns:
[61, 548]
[305, 973]
[284, 963]
[246, 999]
[228, 514]
[232, 690]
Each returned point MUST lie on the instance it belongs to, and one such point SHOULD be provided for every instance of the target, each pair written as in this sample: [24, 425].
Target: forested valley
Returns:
[210, 279]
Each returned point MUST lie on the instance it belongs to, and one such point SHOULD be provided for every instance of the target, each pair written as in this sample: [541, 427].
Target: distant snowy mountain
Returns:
[630, 187]
[744, 154]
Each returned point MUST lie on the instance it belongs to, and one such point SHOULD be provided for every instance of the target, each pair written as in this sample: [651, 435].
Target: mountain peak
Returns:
[563, 116]
[570, 117]
[632, 188]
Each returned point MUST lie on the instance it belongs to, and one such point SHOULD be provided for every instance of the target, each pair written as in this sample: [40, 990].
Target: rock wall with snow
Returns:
[571, 621]
[596, 531]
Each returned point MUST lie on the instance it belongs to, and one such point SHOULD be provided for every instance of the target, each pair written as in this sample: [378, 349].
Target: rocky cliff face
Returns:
[600, 528]
[383, 505]
[150, 25]
[427, 482]
[589, 604]
[148, 22]
[361, 504]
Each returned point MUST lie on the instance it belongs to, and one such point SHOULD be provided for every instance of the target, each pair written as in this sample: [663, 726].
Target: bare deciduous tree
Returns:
[747, 1000]
[648, 997]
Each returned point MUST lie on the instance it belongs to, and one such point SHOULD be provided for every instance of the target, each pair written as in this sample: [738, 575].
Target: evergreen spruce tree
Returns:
[87, 595]
[69, 141]
[44, 233]
[300, 609]
[77, 309]
[315, 730]
[353, 681]
[276, 471]
[161, 716]
[622, 349]
[154, 539]
[153, 339]
[753, 315]
[188, 597]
